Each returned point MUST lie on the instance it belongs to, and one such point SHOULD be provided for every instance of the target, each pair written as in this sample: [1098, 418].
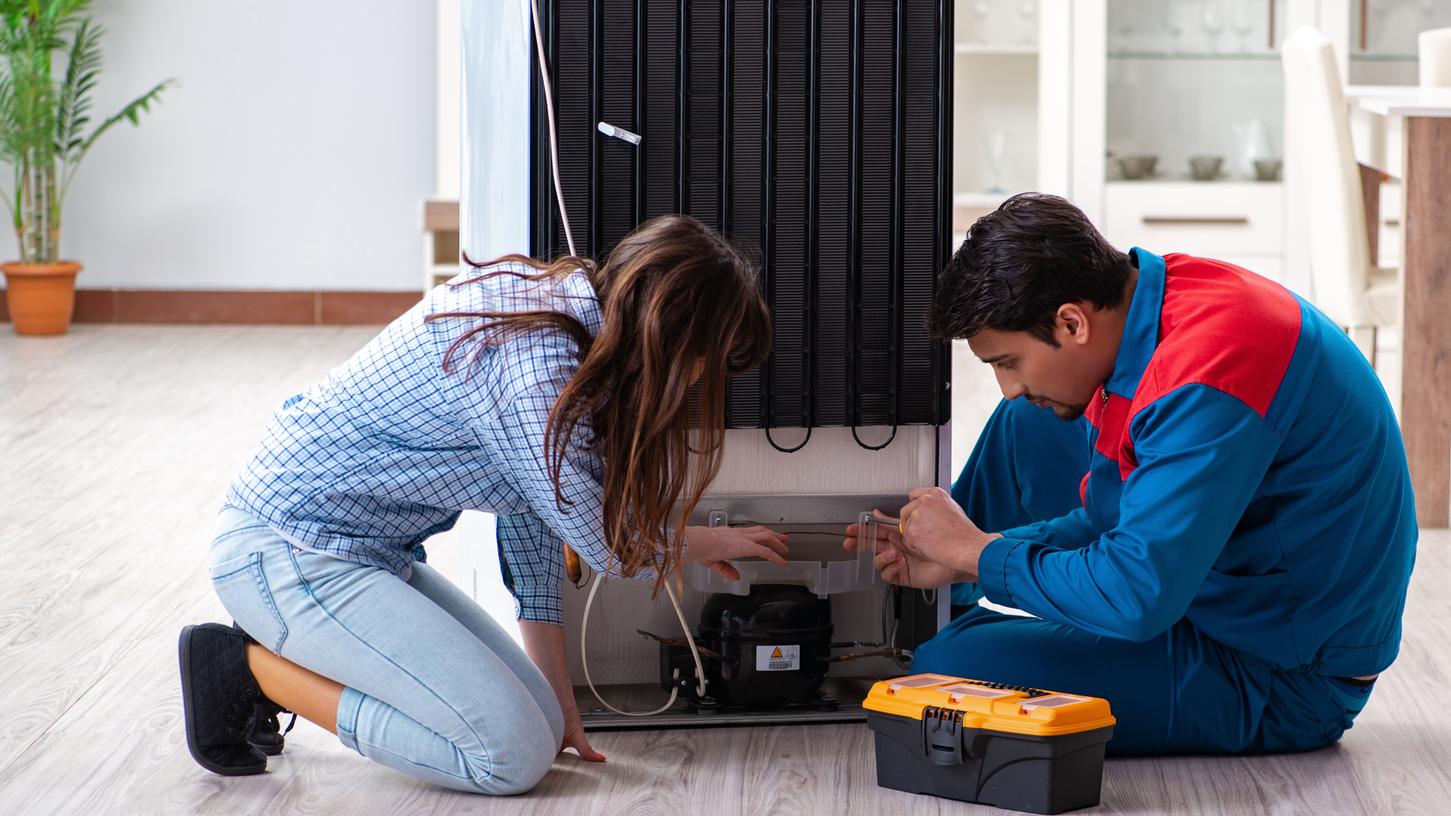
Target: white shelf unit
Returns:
[1173, 79]
[1177, 81]
[1011, 75]
[1010, 103]
[440, 241]
[975, 50]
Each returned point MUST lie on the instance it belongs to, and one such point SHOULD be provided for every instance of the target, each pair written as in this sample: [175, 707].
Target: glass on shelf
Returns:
[1195, 29]
[1193, 79]
[1028, 24]
[977, 34]
[1213, 25]
[995, 100]
[1174, 22]
[995, 148]
[1242, 20]
[1126, 26]
[997, 26]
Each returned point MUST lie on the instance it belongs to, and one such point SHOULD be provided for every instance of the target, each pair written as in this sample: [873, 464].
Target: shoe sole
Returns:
[183, 648]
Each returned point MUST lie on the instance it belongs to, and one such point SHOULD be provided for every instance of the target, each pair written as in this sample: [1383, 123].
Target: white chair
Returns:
[1435, 57]
[1347, 284]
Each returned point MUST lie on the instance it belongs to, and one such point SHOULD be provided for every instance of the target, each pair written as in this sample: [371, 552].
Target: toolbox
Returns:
[1009, 746]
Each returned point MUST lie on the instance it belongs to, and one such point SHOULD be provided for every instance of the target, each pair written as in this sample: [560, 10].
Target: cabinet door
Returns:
[1213, 220]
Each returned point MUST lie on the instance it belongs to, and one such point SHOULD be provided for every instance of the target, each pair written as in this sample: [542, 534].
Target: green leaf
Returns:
[44, 119]
[83, 66]
[131, 112]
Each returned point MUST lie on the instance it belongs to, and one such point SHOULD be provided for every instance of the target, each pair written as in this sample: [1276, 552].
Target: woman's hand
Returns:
[715, 547]
[574, 737]
[544, 642]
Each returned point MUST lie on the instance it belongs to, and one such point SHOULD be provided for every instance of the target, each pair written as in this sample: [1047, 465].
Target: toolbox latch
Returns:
[942, 735]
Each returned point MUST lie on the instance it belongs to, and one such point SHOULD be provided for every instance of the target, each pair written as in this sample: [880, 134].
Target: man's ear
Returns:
[1071, 324]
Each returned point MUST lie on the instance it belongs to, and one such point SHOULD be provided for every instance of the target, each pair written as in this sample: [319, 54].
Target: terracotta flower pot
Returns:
[41, 296]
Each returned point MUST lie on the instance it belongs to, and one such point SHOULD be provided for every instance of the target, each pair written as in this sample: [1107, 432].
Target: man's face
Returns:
[1063, 378]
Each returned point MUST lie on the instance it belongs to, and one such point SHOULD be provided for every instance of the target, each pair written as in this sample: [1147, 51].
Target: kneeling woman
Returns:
[558, 396]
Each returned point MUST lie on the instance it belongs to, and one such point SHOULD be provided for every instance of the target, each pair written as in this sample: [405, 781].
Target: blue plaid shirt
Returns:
[388, 449]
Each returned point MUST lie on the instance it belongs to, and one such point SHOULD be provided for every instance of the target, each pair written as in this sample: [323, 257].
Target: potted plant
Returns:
[44, 114]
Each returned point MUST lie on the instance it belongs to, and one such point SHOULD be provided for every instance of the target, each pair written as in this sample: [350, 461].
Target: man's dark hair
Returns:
[1021, 262]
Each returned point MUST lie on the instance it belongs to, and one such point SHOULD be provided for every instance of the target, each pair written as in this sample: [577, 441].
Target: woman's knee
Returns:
[513, 747]
[509, 767]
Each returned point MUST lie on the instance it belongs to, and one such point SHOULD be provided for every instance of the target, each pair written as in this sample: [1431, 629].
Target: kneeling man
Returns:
[1233, 576]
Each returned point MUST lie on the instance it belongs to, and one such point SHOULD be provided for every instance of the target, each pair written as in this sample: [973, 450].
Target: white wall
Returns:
[295, 154]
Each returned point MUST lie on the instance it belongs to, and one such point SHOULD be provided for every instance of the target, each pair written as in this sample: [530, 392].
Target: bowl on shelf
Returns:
[1268, 169]
[1137, 167]
[1205, 168]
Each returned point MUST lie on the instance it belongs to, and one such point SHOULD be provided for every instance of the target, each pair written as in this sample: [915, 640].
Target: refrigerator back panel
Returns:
[815, 134]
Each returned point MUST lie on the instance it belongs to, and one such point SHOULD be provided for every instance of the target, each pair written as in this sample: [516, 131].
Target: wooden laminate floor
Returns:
[117, 443]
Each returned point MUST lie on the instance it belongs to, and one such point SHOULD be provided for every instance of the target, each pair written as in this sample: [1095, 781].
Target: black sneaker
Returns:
[219, 698]
[267, 734]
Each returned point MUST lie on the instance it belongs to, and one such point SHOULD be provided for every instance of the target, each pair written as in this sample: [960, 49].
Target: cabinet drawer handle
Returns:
[1208, 220]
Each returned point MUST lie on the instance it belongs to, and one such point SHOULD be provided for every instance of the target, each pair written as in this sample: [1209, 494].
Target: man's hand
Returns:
[896, 563]
[935, 529]
[716, 546]
[940, 545]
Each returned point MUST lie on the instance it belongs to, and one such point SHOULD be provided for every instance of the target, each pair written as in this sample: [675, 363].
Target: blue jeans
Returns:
[433, 687]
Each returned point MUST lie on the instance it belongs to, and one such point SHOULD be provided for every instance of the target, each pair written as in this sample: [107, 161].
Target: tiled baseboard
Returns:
[236, 307]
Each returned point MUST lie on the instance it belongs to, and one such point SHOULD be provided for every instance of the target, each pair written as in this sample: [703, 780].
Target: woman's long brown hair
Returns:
[677, 301]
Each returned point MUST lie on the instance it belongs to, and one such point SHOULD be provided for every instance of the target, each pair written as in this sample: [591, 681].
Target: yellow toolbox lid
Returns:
[991, 706]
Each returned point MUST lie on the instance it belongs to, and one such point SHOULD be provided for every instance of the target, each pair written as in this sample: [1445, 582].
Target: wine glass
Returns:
[1028, 10]
[1243, 23]
[1213, 24]
[1175, 23]
[996, 148]
[1125, 19]
[979, 30]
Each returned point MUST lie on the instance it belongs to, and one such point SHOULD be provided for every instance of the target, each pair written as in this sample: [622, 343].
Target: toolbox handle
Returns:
[942, 735]
[942, 738]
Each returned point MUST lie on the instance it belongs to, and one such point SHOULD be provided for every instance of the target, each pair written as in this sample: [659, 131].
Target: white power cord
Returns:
[689, 639]
[553, 144]
[569, 239]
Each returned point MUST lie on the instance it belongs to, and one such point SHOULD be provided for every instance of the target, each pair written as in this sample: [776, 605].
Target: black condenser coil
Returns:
[814, 133]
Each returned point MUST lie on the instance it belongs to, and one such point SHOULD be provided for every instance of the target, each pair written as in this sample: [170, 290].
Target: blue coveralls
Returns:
[1240, 546]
